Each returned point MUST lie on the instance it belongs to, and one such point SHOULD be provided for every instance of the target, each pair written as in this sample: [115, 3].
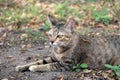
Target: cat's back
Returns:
[114, 41]
[107, 44]
[98, 50]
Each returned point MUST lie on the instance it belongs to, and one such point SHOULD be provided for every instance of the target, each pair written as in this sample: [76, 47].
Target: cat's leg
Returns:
[56, 66]
[115, 61]
[26, 66]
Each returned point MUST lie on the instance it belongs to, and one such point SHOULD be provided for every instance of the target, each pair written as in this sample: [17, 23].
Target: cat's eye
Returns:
[67, 36]
[59, 36]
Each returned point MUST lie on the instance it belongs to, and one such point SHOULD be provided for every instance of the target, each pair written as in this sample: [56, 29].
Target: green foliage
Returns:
[83, 66]
[118, 13]
[46, 26]
[101, 16]
[116, 69]
[92, 0]
[62, 9]
[80, 67]
[114, 6]
[34, 35]
[32, 10]
[1, 1]
[12, 14]
[15, 14]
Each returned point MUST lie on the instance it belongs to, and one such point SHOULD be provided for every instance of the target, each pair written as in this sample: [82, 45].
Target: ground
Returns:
[13, 56]
[19, 44]
[15, 51]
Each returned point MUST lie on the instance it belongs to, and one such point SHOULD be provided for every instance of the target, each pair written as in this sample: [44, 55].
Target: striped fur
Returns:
[69, 48]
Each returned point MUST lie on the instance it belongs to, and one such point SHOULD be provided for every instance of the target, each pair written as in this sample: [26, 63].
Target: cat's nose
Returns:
[52, 40]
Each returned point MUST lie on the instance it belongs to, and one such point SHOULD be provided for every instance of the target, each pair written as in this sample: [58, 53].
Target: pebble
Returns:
[47, 46]
[4, 79]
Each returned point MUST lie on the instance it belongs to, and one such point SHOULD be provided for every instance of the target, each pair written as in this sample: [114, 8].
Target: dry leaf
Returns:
[4, 35]
[24, 35]
[29, 45]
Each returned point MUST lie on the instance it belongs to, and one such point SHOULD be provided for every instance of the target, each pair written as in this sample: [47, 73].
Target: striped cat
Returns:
[69, 48]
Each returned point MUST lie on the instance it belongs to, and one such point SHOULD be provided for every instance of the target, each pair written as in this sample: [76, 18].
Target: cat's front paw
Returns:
[33, 68]
[20, 68]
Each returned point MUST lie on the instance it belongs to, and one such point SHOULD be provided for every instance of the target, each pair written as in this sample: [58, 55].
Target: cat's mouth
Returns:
[58, 44]
[52, 44]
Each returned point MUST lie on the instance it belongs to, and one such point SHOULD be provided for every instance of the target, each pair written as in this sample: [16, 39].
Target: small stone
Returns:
[1, 44]
[9, 57]
[39, 48]
[4, 79]
[45, 43]
[38, 56]
[23, 46]
[87, 71]
[47, 46]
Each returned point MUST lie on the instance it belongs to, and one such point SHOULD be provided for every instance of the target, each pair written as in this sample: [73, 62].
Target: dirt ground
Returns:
[18, 53]
[14, 52]
[12, 57]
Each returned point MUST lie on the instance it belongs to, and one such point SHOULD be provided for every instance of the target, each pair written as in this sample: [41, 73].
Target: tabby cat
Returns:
[69, 48]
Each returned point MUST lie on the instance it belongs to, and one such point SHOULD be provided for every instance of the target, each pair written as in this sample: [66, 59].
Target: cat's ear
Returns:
[52, 21]
[70, 25]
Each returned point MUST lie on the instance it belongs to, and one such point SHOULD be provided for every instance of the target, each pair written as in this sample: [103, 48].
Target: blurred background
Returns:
[93, 16]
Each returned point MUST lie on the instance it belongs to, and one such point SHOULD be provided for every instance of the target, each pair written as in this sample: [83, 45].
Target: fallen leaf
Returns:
[24, 35]
[4, 35]
[100, 25]
[29, 45]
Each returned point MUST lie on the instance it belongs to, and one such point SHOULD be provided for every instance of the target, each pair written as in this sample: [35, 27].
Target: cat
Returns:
[69, 48]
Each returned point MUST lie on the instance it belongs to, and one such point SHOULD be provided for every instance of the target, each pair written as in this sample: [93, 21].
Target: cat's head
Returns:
[61, 33]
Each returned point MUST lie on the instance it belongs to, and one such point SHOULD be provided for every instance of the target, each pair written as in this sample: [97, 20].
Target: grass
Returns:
[32, 13]
[101, 16]
[116, 69]
[63, 10]
[35, 35]
[80, 67]
[46, 26]
[14, 14]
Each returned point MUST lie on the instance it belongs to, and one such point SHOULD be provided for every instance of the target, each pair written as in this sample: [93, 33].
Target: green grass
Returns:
[35, 35]
[46, 26]
[80, 67]
[63, 10]
[31, 14]
[11, 15]
[101, 16]
[116, 69]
